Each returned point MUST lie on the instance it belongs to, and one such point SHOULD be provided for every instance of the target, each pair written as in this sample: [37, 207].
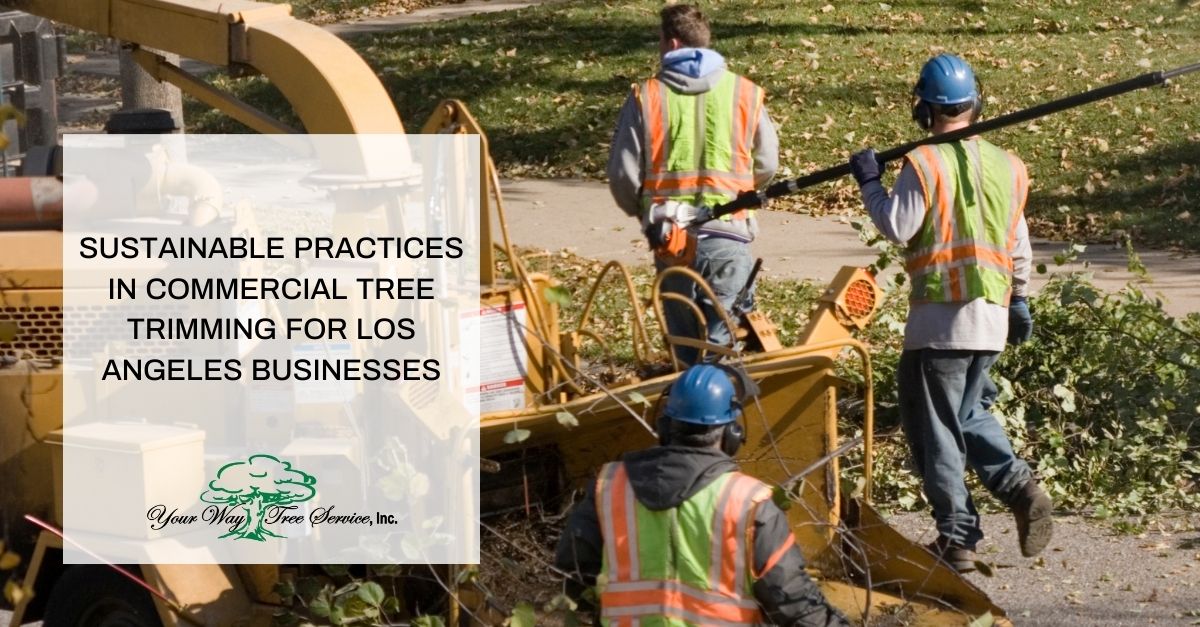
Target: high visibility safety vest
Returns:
[690, 565]
[698, 148]
[975, 193]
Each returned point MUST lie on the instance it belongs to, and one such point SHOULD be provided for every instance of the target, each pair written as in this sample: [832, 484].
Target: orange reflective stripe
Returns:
[745, 105]
[945, 204]
[752, 124]
[957, 291]
[617, 521]
[922, 176]
[678, 587]
[730, 551]
[1020, 194]
[654, 118]
[964, 253]
[668, 598]
[678, 175]
[706, 182]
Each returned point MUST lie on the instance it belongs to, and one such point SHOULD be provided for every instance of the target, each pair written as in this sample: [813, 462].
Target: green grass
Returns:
[546, 83]
[329, 10]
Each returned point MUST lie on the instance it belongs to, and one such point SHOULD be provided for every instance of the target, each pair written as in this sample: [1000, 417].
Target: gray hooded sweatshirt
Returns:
[687, 71]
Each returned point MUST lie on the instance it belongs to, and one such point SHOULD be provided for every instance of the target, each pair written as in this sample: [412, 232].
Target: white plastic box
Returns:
[114, 472]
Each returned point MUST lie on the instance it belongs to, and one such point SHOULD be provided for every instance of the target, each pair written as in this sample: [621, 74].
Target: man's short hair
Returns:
[694, 435]
[686, 23]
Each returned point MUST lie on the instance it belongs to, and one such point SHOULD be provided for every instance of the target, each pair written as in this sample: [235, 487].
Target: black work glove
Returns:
[1020, 321]
[865, 166]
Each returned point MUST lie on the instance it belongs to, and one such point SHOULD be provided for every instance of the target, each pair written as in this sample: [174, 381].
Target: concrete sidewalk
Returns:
[580, 215]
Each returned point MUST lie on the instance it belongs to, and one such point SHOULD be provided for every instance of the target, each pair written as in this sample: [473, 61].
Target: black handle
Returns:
[751, 199]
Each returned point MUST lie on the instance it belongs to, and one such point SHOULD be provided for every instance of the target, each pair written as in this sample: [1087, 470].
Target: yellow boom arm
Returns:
[331, 88]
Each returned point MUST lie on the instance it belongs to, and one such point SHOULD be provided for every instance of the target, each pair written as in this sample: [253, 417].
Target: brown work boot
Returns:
[1031, 507]
[956, 557]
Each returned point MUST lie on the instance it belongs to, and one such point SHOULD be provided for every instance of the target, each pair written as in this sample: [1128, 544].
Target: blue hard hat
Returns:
[702, 395]
[946, 80]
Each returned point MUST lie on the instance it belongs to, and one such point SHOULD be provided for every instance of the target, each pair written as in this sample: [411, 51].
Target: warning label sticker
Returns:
[503, 356]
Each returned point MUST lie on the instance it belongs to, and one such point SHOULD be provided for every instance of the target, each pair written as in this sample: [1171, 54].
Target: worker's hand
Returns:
[1020, 322]
[865, 166]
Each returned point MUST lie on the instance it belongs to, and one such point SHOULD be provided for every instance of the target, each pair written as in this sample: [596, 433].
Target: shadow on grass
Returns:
[1146, 199]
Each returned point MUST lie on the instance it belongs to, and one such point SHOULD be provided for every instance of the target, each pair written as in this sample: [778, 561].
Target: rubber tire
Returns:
[98, 596]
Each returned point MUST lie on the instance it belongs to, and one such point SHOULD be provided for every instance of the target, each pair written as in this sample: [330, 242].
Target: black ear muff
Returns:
[977, 104]
[732, 438]
[922, 114]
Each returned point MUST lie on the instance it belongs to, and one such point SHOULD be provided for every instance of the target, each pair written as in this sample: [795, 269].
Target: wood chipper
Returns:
[537, 370]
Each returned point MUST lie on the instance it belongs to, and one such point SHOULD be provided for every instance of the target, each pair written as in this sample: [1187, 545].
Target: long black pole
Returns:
[747, 200]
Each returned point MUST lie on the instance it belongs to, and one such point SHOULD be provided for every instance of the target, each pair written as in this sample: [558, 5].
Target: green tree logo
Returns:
[260, 482]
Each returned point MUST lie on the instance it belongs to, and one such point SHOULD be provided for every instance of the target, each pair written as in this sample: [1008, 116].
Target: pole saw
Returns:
[660, 234]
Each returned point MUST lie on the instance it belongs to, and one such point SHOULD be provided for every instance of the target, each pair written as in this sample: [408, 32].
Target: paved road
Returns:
[581, 216]
[1088, 575]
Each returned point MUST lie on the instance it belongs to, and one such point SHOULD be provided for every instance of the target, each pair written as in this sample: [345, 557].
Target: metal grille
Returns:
[860, 299]
[38, 332]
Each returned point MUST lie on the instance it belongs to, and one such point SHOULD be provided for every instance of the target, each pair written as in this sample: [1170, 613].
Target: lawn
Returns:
[546, 83]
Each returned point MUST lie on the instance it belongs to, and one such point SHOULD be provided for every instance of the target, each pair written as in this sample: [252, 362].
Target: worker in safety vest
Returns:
[959, 208]
[675, 535]
[688, 139]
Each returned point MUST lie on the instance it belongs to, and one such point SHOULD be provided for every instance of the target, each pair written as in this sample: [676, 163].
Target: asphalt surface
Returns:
[1089, 574]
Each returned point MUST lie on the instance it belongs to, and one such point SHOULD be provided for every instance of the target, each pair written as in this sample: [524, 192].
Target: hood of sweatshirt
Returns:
[692, 70]
[665, 476]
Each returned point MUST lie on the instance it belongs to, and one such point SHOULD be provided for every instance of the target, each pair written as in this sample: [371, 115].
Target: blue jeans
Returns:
[726, 265]
[944, 400]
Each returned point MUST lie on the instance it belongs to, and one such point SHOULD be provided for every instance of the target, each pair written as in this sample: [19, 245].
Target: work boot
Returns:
[1031, 507]
[959, 558]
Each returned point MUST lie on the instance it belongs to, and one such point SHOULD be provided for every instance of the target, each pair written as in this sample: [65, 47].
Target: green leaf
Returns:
[308, 587]
[372, 593]
[567, 419]
[319, 607]
[285, 589]
[391, 605]
[560, 602]
[516, 435]
[523, 616]
[983, 620]
[637, 397]
[467, 575]
[557, 294]
[428, 621]
[1066, 397]
[780, 497]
